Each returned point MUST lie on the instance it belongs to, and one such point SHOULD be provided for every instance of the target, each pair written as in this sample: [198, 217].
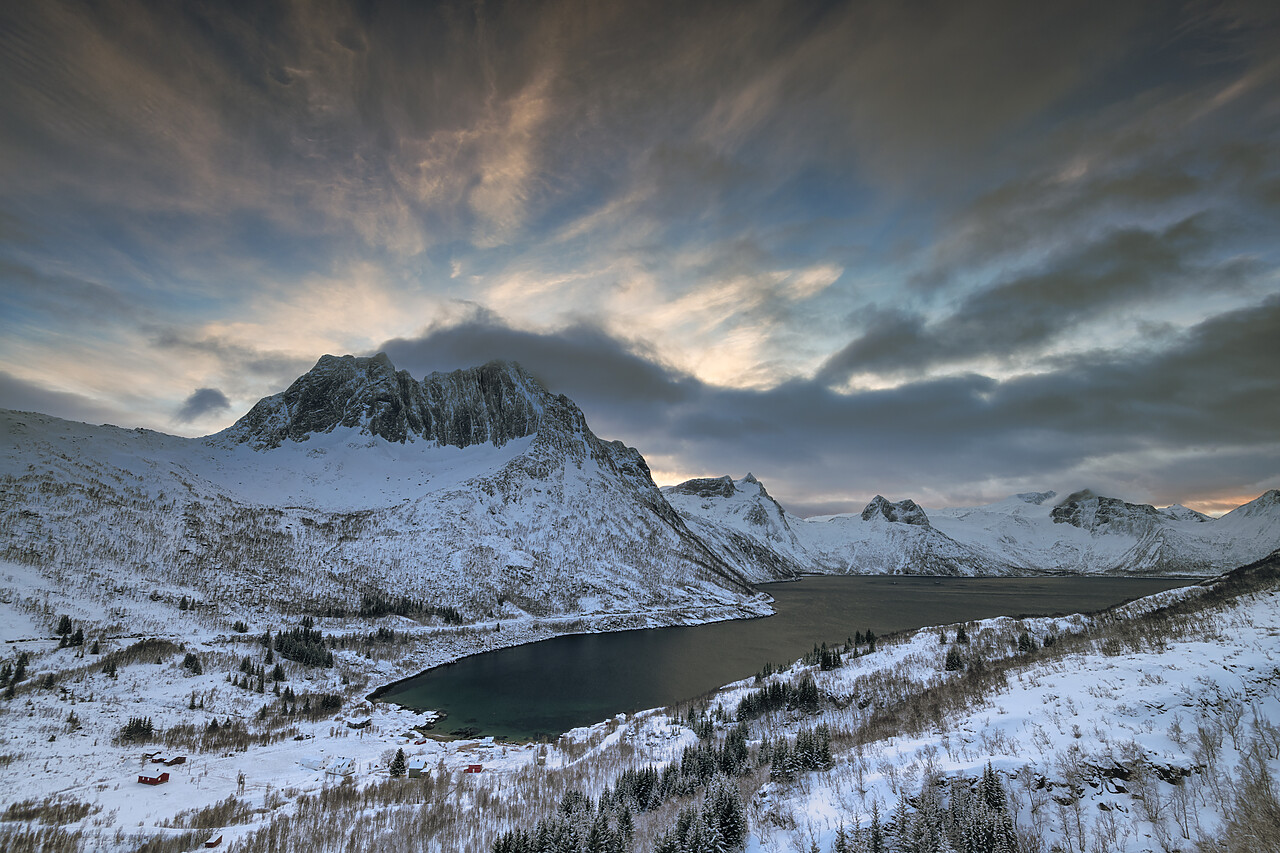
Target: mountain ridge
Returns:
[482, 490]
[492, 403]
[1028, 533]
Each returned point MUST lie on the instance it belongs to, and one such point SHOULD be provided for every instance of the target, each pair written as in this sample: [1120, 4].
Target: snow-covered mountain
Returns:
[476, 489]
[765, 542]
[1025, 533]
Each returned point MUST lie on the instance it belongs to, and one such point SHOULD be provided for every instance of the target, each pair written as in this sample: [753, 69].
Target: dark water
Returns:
[548, 687]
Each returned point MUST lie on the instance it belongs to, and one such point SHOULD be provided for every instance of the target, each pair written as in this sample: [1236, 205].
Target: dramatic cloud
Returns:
[1204, 407]
[1122, 269]
[944, 249]
[202, 402]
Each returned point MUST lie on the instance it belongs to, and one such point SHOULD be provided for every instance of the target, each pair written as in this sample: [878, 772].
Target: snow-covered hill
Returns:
[1026, 533]
[476, 489]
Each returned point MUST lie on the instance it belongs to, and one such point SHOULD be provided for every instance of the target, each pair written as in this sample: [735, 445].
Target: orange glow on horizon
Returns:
[1219, 506]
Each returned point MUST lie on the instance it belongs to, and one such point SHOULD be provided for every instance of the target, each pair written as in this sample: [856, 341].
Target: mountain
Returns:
[360, 486]
[492, 404]
[753, 532]
[1028, 533]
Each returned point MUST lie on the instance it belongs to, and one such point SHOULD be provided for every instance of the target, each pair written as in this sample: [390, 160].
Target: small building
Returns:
[341, 767]
[215, 841]
[416, 768]
[363, 724]
[153, 780]
[175, 760]
[474, 768]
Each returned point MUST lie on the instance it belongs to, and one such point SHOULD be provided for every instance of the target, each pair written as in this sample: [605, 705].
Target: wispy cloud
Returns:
[874, 215]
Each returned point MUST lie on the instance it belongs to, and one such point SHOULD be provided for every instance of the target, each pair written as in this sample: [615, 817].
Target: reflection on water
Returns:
[548, 687]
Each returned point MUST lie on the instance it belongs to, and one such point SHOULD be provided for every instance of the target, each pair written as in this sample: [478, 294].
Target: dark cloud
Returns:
[1200, 411]
[1122, 268]
[203, 401]
[580, 360]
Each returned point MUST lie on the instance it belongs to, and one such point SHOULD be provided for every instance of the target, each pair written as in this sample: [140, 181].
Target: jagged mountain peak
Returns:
[492, 403]
[705, 487]
[1089, 511]
[902, 512]
[1036, 498]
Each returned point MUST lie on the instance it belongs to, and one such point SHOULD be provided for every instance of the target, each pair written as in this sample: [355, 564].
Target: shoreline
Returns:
[652, 620]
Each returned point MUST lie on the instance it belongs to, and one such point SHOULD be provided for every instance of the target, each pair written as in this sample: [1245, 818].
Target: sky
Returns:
[941, 251]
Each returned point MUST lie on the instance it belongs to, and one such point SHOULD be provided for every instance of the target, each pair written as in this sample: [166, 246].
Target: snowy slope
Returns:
[477, 489]
[1089, 533]
[1026, 533]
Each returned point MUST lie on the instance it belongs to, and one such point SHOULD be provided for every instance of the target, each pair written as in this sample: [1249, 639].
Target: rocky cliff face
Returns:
[493, 404]
[902, 512]
[1093, 512]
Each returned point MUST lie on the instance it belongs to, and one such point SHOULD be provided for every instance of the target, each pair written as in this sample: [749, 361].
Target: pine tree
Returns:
[398, 765]
[875, 832]
[961, 635]
[64, 625]
[955, 661]
[626, 832]
[992, 790]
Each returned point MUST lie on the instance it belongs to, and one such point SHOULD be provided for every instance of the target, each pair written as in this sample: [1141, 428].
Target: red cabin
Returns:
[474, 768]
[177, 759]
[154, 780]
[214, 842]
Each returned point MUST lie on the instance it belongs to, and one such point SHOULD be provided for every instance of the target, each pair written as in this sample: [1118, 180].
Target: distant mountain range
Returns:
[1030, 533]
[481, 490]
